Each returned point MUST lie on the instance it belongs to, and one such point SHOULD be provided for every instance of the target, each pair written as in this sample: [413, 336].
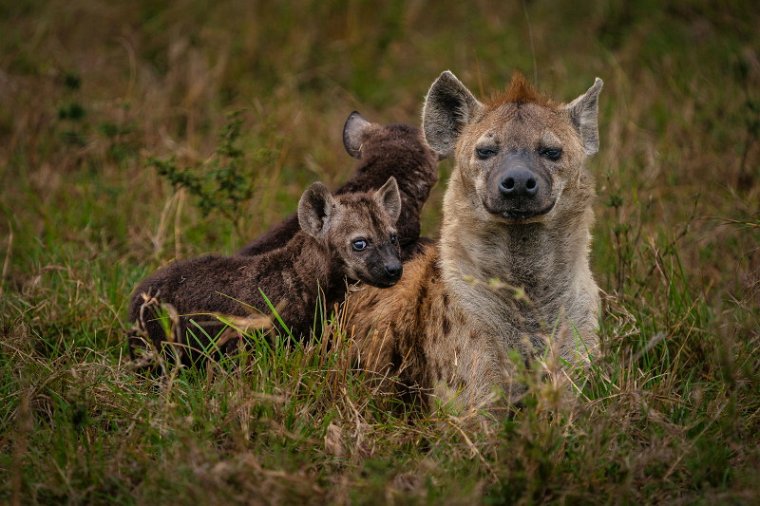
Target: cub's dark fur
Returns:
[346, 238]
[384, 151]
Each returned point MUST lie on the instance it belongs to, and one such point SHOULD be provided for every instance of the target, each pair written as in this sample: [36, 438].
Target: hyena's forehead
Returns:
[363, 216]
[513, 126]
[542, 137]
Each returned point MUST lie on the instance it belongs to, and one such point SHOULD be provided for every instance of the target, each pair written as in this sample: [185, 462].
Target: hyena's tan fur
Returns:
[509, 273]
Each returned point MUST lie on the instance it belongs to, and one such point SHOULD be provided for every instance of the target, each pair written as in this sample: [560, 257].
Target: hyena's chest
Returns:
[470, 342]
[464, 359]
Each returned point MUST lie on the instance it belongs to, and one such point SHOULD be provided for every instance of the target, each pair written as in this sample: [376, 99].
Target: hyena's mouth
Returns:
[522, 215]
[379, 280]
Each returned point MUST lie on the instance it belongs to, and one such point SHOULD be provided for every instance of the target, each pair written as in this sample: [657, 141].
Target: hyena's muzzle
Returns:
[384, 266]
[519, 187]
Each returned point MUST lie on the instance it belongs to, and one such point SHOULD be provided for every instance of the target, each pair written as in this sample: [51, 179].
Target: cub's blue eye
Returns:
[359, 244]
[552, 154]
[394, 238]
[485, 153]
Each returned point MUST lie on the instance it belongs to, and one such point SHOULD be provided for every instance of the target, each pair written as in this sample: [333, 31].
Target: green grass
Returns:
[92, 92]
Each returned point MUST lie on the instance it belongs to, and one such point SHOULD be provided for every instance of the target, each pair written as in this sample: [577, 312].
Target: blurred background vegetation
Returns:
[94, 93]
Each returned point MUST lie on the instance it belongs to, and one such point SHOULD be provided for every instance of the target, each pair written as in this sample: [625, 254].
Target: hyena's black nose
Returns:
[394, 270]
[519, 182]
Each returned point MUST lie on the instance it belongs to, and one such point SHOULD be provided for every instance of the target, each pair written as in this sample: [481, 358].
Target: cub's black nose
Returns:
[394, 270]
[519, 182]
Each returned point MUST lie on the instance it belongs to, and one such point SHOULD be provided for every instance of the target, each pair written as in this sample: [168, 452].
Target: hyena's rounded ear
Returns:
[353, 133]
[449, 106]
[314, 210]
[584, 114]
[389, 198]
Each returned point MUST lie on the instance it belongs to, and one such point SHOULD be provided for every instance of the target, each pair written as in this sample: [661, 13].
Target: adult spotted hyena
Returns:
[511, 270]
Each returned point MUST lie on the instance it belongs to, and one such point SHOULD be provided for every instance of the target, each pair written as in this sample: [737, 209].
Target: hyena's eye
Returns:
[394, 238]
[486, 153]
[552, 154]
[359, 244]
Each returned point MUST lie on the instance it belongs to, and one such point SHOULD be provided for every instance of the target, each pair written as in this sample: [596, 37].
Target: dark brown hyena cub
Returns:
[345, 238]
[384, 151]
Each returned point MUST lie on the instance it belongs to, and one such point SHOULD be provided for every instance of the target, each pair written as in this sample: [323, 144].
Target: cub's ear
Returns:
[584, 113]
[314, 210]
[449, 106]
[353, 133]
[389, 198]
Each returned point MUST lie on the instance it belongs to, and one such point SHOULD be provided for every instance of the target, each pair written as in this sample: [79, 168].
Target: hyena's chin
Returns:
[381, 281]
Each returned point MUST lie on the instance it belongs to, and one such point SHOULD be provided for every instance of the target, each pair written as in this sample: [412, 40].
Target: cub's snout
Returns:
[385, 268]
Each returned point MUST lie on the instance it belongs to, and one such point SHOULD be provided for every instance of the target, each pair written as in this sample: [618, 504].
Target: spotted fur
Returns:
[508, 275]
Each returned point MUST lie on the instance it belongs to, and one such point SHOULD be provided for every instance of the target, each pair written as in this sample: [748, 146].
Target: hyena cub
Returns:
[346, 238]
[383, 151]
[511, 272]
